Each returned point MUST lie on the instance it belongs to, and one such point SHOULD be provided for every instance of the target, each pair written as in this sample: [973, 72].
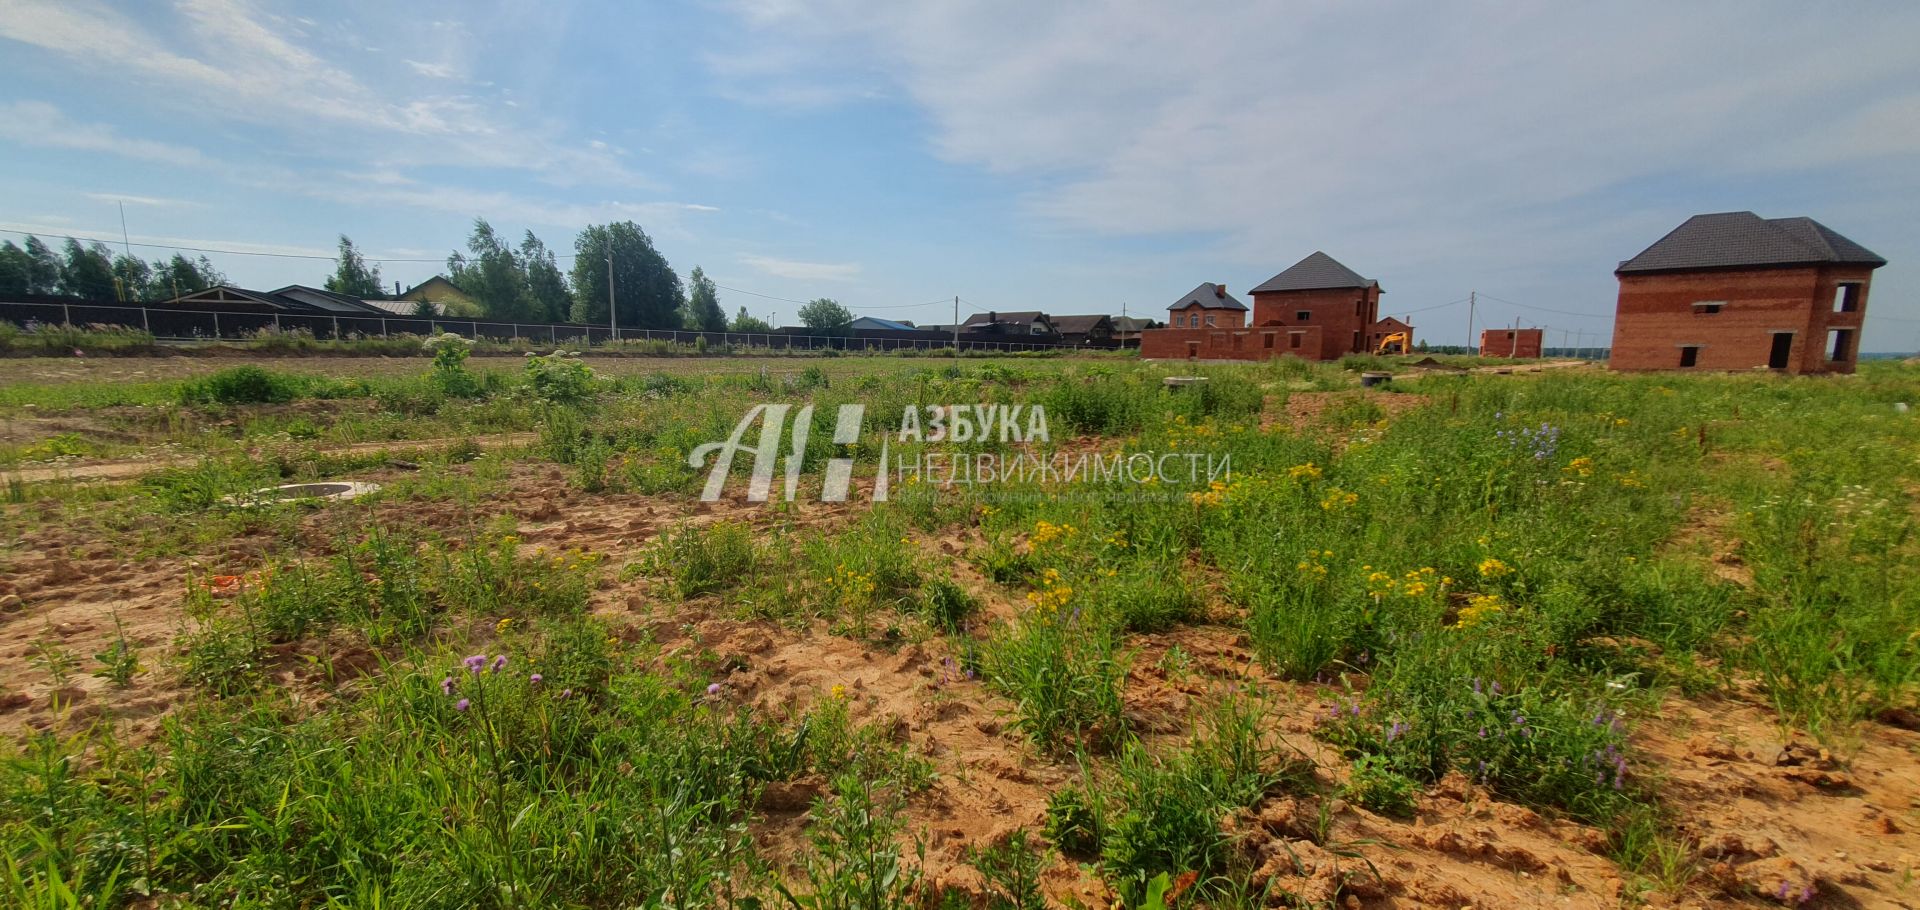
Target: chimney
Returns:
[1220, 291]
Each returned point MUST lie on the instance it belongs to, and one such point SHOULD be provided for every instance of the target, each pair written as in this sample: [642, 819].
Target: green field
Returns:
[538, 672]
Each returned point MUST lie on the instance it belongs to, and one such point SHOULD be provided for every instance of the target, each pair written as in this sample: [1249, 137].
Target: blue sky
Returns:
[1069, 157]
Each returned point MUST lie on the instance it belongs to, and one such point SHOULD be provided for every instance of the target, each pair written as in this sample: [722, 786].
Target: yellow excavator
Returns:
[1392, 343]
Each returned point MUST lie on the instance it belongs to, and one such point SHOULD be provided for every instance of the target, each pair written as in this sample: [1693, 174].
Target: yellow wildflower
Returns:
[1582, 466]
[1494, 568]
[1478, 609]
[503, 625]
[1308, 471]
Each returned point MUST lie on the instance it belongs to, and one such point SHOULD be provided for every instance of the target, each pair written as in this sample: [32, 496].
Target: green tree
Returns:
[180, 275]
[646, 287]
[493, 277]
[545, 281]
[43, 270]
[87, 271]
[744, 323]
[826, 316]
[703, 304]
[16, 269]
[133, 278]
[353, 277]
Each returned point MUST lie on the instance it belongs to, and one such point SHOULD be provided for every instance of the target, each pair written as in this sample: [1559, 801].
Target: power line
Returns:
[1528, 306]
[202, 249]
[1437, 306]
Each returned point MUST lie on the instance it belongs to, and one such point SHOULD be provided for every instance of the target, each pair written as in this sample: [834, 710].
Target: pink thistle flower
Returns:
[713, 688]
[462, 705]
[536, 679]
[500, 663]
[446, 686]
[474, 663]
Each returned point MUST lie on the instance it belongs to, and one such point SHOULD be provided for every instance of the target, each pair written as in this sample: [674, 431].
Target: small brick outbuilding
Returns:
[1734, 291]
[1521, 343]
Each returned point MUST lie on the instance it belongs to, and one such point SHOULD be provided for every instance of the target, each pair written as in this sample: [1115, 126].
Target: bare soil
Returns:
[1767, 815]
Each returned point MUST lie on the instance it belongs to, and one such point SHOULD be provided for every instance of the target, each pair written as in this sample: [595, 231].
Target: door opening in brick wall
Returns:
[1782, 351]
[1846, 297]
[1689, 355]
[1356, 343]
[1839, 344]
[1193, 350]
[1269, 342]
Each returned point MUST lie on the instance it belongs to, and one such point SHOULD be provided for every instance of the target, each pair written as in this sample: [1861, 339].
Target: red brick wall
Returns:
[1338, 314]
[1222, 319]
[1656, 316]
[1510, 343]
[1227, 344]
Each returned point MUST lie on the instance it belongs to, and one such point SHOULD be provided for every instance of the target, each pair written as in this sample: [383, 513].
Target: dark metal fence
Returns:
[175, 324]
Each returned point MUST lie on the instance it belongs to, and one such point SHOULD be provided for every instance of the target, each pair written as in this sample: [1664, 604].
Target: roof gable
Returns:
[325, 301]
[1208, 296]
[1317, 272]
[1081, 324]
[1024, 317]
[1744, 239]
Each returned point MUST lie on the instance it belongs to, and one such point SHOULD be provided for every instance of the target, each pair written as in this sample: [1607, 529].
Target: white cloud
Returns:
[37, 123]
[228, 59]
[128, 199]
[434, 70]
[801, 271]
[1400, 136]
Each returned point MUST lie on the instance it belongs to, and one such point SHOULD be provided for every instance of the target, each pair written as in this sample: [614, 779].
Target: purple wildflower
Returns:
[564, 693]
[475, 662]
[1394, 731]
[536, 679]
[500, 663]
[446, 686]
[462, 705]
[713, 688]
[1483, 732]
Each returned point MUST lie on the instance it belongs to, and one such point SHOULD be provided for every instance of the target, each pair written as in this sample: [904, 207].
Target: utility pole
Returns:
[1123, 316]
[613, 312]
[956, 326]
[1472, 301]
[126, 243]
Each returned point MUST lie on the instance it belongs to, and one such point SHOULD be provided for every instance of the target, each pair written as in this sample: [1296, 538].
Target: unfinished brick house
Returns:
[1734, 291]
[1317, 309]
[1522, 343]
[1207, 306]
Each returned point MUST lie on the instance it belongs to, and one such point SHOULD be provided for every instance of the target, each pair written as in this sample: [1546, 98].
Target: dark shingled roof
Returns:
[1317, 272]
[1209, 296]
[1077, 325]
[1743, 239]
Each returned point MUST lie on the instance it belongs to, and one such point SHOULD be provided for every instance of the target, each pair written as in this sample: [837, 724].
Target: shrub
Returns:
[1065, 677]
[701, 560]
[1073, 823]
[560, 378]
[241, 385]
[947, 605]
[1012, 870]
[1375, 785]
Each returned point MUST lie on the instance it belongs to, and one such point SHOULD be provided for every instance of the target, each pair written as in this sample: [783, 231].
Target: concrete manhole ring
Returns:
[322, 491]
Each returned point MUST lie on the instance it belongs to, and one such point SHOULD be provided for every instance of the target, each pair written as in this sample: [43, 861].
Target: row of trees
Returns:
[525, 283]
[92, 271]
[507, 283]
